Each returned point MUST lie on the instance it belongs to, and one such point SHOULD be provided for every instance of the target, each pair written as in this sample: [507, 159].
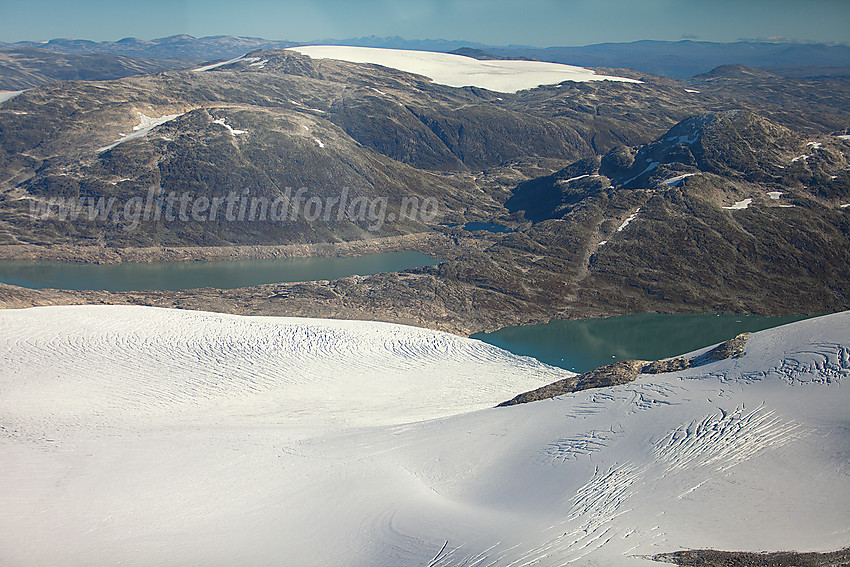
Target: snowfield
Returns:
[142, 436]
[233, 132]
[628, 220]
[460, 71]
[142, 129]
[8, 95]
[205, 68]
[676, 181]
[740, 205]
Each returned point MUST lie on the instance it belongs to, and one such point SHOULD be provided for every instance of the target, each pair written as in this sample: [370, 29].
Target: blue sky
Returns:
[494, 22]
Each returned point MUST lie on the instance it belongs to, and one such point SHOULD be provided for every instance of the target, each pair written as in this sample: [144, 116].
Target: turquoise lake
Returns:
[187, 275]
[586, 344]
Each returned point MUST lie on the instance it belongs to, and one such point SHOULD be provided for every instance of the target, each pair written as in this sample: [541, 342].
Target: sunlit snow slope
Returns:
[459, 71]
[140, 436]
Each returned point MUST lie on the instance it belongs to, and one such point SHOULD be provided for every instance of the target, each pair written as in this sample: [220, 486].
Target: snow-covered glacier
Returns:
[141, 436]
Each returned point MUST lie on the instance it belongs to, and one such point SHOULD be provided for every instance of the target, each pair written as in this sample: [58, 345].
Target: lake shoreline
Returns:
[349, 298]
[218, 274]
[431, 243]
[449, 298]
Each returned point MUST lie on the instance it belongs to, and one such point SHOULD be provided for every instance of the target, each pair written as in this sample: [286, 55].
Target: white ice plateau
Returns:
[144, 436]
[506, 76]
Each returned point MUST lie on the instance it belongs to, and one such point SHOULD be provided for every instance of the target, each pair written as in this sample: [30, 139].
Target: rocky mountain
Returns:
[26, 67]
[618, 197]
[180, 46]
[679, 59]
[277, 119]
[810, 106]
[725, 210]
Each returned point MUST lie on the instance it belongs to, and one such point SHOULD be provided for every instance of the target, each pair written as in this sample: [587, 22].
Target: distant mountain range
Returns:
[679, 59]
[26, 67]
[682, 59]
[172, 47]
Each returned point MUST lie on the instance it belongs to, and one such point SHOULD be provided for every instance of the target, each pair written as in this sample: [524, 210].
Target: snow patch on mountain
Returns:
[223, 63]
[739, 205]
[684, 139]
[628, 221]
[8, 95]
[571, 179]
[142, 129]
[233, 132]
[674, 181]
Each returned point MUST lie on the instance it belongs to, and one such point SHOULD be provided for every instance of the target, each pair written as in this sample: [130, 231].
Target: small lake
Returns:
[187, 275]
[488, 226]
[586, 344]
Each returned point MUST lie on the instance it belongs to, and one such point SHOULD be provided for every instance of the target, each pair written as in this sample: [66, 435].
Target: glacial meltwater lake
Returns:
[227, 274]
[586, 344]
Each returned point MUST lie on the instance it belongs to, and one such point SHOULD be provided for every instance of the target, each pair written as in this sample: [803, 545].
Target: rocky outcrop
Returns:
[620, 372]
[666, 365]
[625, 371]
[27, 67]
[733, 348]
[714, 558]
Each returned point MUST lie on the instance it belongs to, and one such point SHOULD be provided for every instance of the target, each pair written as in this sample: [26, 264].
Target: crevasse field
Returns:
[143, 436]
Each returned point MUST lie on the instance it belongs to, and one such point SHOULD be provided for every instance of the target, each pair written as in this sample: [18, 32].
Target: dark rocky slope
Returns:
[27, 67]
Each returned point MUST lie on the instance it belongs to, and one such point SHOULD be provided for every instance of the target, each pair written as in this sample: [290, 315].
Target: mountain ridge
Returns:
[25, 68]
[678, 59]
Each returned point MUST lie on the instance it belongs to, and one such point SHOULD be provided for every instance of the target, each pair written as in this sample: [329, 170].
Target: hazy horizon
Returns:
[316, 41]
[538, 23]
